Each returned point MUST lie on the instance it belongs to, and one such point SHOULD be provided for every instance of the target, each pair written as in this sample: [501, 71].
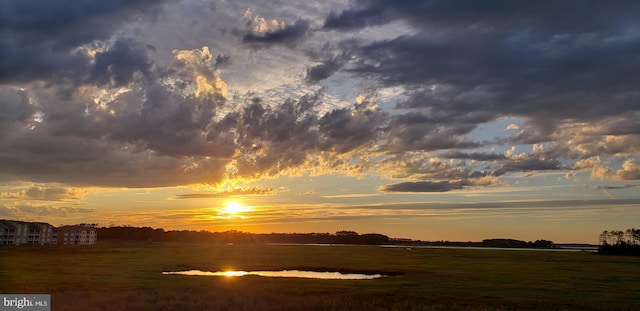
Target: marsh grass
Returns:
[121, 276]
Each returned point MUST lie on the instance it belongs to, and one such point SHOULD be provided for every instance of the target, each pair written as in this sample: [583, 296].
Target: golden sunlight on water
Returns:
[282, 274]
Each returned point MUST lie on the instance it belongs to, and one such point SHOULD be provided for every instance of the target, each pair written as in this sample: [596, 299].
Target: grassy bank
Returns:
[128, 277]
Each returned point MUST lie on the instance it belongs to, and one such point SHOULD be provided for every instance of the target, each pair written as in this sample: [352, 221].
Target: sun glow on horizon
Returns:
[234, 208]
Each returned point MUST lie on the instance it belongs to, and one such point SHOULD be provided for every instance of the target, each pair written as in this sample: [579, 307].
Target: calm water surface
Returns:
[282, 274]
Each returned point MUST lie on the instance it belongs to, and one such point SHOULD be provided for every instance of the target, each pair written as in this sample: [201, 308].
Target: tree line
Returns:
[148, 234]
[128, 233]
[617, 242]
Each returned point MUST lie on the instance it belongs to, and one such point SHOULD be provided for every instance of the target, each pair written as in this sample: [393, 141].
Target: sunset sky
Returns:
[432, 120]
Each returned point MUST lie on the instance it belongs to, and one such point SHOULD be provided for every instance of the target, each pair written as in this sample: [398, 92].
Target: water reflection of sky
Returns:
[281, 274]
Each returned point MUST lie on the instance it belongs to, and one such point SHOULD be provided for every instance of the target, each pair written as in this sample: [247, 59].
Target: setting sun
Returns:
[233, 207]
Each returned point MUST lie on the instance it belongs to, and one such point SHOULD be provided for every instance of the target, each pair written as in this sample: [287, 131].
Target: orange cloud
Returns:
[254, 191]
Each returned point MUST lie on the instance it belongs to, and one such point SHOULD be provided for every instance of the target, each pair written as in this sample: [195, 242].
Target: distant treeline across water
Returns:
[129, 233]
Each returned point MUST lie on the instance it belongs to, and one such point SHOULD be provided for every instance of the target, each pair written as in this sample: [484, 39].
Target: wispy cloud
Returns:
[231, 193]
[28, 210]
[40, 192]
[351, 195]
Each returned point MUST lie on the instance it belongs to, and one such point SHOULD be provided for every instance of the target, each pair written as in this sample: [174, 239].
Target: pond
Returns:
[282, 274]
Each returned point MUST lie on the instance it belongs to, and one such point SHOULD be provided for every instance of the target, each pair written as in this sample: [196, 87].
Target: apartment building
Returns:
[4, 230]
[77, 235]
[13, 232]
[41, 233]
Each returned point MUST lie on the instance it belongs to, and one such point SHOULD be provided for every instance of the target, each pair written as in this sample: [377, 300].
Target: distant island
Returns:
[130, 233]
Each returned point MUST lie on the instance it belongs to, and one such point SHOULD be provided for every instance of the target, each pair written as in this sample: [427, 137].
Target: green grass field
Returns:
[128, 277]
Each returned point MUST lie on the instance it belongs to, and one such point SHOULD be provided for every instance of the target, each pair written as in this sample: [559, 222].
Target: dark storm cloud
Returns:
[558, 15]
[118, 64]
[289, 35]
[146, 137]
[570, 71]
[153, 136]
[478, 61]
[168, 123]
[343, 130]
[531, 163]
[222, 61]
[534, 131]
[322, 71]
[39, 37]
[271, 139]
[331, 58]
[443, 104]
[425, 186]
[507, 76]
[410, 131]
[15, 108]
[617, 126]
[430, 168]
[275, 139]
[353, 19]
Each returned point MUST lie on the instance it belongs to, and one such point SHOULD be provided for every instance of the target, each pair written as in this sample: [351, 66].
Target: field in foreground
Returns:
[128, 277]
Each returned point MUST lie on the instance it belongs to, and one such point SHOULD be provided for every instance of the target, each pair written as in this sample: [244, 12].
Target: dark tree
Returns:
[616, 242]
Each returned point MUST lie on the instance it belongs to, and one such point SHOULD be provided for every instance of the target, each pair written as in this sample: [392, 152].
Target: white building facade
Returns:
[77, 235]
[13, 232]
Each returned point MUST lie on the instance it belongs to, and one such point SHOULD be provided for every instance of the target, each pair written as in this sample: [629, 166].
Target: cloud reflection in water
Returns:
[282, 274]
